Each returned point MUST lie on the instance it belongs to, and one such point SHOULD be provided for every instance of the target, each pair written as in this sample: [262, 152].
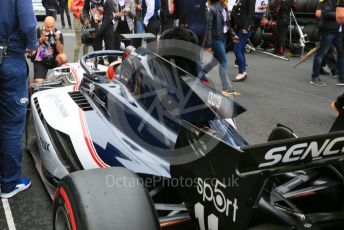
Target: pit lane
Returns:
[274, 92]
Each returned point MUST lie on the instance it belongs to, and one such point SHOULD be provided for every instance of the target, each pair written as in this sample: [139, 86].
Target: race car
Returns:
[155, 147]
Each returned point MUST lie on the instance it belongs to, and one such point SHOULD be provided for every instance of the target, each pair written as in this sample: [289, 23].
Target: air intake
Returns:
[80, 100]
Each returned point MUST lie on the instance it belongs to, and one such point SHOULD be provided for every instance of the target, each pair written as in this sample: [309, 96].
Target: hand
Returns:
[235, 39]
[87, 22]
[44, 37]
[57, 36]
[209, 50]
[244, 31]
[119, 14]
[126, 10]
[138, 6]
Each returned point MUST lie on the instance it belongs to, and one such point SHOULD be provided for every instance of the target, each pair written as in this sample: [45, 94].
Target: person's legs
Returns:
[220, 54]
[62, 16]
[40, 72]
[239, 50]
[325, 44]
[337, 42]
[68, 16]
[13, 106]
[77, 44]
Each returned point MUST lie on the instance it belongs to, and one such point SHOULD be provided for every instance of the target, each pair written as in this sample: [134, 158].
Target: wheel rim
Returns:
[61, 219]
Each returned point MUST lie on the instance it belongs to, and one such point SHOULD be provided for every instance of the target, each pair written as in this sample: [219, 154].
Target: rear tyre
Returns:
[111, 198]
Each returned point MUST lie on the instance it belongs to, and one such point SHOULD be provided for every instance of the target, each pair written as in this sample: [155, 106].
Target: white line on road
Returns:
[8, 214]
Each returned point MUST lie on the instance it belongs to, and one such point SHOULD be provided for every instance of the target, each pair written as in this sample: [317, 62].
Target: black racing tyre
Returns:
[111, 198]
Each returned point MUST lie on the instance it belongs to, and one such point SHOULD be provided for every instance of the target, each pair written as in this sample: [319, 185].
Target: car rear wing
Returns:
[226, 183]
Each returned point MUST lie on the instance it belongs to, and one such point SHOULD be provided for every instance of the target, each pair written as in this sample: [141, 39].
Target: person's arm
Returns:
[59, 42]
[131, 10]
[109, 8]
[86, 12]
[150, 11]
[27, 23]
[340, 12]
[250, 15]
[210, 21]
[318, 11]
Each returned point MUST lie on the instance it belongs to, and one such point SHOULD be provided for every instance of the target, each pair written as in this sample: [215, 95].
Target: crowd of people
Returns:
[19, 36]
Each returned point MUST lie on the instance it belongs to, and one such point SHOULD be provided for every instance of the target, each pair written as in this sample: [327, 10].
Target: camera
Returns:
[3, 50]
[51, 38]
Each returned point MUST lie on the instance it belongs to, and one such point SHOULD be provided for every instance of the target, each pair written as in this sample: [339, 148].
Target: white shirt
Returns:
[150, 11]
[121, 2]
[259, 3]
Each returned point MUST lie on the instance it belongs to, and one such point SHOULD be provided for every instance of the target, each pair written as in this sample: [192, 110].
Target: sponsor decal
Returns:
[214, 100]
[214, 196]
[45, 144]
[300, 151]
[92, 87]
[60, 107]
[23, 100]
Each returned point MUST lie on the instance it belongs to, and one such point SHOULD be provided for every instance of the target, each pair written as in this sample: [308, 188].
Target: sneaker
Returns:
[317, 81]
[22, 184]
[334, 107]
[203, 77]
[230, 92]
[340, 82]
[323, 71]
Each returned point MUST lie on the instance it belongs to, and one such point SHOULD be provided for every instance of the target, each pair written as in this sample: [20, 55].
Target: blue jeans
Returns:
[218, 46]
[239, 49]
[139, 27]
[13, 106]
[326, 41]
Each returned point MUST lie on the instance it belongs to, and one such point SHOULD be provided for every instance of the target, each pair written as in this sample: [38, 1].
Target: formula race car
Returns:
[155, 147]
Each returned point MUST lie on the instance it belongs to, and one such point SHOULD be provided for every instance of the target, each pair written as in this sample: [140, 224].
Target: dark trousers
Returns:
[239, 49]
[13, 106]
[330, 60]
[63, 9]
[281, 35]
[122, 28]
[153, 27]
[51, 12]
[326, 41]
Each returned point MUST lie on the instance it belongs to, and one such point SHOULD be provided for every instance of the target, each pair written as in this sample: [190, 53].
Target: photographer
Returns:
[50, 51]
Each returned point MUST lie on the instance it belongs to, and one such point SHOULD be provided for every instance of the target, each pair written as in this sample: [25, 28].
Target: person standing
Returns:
[124, 20]
[151, 21]
[338, 104]
[105, 29]
[17, 33]
[217, 28]
[330, 35]
[76, 8]
[281, 14]
[63, 6]
[243, 18]
[92, 15]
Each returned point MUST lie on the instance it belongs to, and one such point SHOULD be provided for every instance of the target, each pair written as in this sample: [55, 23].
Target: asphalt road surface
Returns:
[274, 92]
